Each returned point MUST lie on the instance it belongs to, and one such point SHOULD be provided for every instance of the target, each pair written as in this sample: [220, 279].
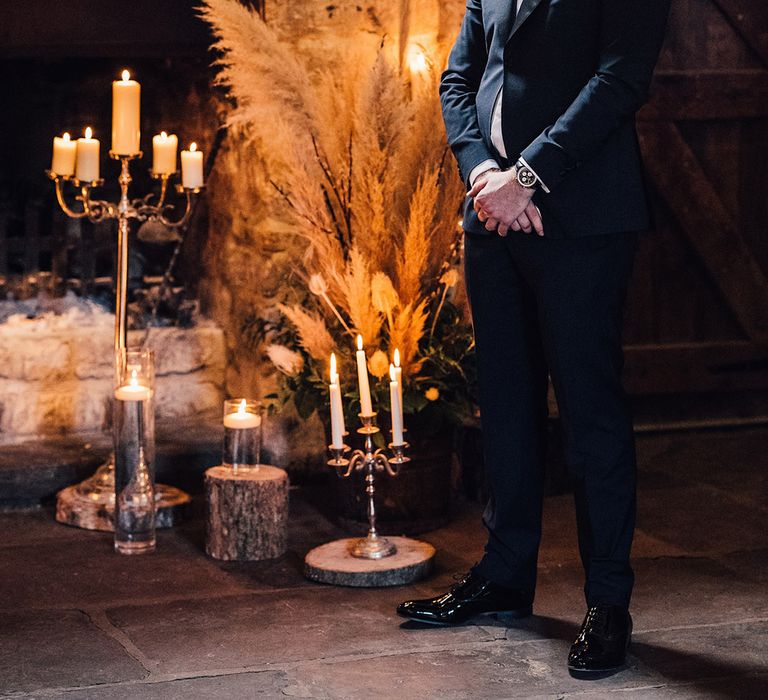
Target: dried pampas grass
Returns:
[356, 157]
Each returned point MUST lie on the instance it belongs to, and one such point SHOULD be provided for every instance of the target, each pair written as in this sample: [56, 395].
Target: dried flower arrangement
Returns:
[359, 167]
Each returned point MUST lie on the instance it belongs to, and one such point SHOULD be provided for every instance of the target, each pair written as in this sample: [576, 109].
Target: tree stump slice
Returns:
[332, 563]
[247, 513]
[73, 508]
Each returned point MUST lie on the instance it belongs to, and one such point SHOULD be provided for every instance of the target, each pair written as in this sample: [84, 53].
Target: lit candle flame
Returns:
[134, 380]
[359, 342]
[333, 368]
[65, 136]
[241, 408]
[392, 375]
[163, 135]
[397, 357]
[193, 146]
[88, 132]
[126, 76]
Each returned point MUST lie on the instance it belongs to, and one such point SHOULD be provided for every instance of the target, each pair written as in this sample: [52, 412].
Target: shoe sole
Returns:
[583, 674]
[500, 615]
[594, 675]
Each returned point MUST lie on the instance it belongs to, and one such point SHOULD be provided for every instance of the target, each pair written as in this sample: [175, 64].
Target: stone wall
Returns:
[56, 373]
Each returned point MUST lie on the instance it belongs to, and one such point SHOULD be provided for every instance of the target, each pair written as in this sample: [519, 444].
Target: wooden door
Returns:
[698, 312]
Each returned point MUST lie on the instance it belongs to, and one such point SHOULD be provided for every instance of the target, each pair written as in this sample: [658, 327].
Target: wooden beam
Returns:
[708, 225]
[731, 94]
[750, 20]
[694, 367]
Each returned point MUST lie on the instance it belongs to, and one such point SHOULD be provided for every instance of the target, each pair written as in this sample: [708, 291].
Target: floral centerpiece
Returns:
[359, 169]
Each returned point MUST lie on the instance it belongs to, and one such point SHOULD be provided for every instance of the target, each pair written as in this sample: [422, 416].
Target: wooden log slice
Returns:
[247, 513]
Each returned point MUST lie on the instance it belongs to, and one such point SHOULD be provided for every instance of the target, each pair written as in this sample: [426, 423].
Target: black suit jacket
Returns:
[574, 74]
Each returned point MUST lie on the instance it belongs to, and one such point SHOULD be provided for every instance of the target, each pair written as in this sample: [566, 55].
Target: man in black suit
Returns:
[539, 101]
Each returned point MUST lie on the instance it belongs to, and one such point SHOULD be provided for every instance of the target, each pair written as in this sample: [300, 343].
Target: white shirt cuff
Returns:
[480, 169]
[541, 184]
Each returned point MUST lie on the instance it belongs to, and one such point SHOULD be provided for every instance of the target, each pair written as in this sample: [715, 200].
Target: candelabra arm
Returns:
[185, 217]
[163, 190]
[62, 203]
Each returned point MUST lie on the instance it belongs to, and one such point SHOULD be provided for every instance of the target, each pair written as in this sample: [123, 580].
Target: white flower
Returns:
[378, 364]
[383, 295]
[317, 285]
[288, 361]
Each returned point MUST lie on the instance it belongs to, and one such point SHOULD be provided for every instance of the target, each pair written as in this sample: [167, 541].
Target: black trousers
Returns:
[548, 305]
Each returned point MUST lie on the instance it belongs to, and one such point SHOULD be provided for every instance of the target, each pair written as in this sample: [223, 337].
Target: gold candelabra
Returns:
[97, 493]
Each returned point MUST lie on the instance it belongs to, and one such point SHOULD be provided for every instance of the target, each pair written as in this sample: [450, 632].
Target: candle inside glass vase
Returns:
[242, 434]
[133, 425]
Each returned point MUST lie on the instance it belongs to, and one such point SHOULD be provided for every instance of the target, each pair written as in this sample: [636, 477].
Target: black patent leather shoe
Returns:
[473, 595]
[600, 650]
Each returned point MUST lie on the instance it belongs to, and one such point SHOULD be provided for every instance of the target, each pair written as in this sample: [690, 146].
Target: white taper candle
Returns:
[366, 407]
[337, 411]
[397, 408]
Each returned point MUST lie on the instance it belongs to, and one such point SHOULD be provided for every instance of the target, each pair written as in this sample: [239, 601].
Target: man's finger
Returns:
[524, 222]
[491, 224]
[535, 216]
[514, 226]
[482, 215]
[479, 184]
[503, 230]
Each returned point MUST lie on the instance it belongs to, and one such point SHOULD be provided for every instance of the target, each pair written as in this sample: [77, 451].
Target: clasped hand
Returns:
[502, 203]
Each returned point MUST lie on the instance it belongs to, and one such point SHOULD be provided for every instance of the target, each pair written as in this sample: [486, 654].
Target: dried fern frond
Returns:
[357, 299]
[414, 254]
[313, 333]
[408, 329]
[264, 75]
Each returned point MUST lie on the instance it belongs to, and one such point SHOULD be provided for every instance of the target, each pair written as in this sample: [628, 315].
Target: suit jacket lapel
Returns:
[526, 9]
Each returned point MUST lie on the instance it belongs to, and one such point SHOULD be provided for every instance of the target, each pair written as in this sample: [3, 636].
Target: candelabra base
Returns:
[334, 563]
[90, 505]
[372, 547]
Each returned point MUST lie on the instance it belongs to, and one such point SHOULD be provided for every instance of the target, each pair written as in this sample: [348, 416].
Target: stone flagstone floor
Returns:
[77, 621]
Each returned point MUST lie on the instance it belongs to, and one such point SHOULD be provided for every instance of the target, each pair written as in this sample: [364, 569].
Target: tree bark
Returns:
[247, 513]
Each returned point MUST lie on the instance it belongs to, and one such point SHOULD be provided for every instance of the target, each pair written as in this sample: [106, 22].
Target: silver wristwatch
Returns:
[525, 176]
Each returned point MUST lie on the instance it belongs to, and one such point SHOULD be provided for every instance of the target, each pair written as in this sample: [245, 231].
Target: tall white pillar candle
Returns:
[397, 408]
[164, 149]
[337, 412]
[366, 408]
[64, 154]
[192, 167]
[87, 169]
[126, 116]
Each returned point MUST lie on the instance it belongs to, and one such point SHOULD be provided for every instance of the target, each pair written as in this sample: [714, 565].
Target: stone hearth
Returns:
[56, 371]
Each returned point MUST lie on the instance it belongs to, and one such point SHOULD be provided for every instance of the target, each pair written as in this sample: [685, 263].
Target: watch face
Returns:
[526, 177]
